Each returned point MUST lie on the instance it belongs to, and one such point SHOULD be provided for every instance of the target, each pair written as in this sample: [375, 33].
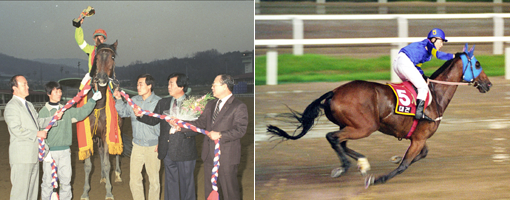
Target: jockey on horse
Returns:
[410, 58]
[99, 38]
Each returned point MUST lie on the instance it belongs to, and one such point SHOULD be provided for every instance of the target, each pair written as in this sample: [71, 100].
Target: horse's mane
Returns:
[100, 46]
[446, 65]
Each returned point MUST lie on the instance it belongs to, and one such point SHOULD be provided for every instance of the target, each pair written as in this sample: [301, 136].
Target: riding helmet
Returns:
[100, 32]
[436, 32]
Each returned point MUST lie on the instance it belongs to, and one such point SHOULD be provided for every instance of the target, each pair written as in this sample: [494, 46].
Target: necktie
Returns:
[26, 104]
[216, 111]
[174, 107]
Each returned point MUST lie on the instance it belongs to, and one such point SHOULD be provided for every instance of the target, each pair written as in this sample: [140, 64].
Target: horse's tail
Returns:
[307, 118]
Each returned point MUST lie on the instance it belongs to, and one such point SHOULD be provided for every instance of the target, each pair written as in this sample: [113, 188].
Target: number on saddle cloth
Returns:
[406, 98]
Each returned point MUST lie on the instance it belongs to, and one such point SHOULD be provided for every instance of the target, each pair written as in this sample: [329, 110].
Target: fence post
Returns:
[297, 33]
[383, 9]
[393, 56]
[441, 9]
[320, 7]
[498, 32]
[507, 63]
[272, 66]
[403, 28]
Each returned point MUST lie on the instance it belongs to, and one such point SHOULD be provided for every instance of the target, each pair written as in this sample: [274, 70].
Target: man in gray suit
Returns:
[23, 123]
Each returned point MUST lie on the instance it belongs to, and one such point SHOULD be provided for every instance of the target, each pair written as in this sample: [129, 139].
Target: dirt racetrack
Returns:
[468, 155]
[121, 191]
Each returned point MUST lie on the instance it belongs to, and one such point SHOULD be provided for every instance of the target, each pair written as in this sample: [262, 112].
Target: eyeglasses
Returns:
[216, 85]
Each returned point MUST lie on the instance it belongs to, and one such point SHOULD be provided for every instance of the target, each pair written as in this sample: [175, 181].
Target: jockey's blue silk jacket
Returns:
[420, 52]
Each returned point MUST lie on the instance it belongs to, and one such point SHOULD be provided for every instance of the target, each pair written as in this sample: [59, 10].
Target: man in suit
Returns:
[225, 118]
[24, 123]
[177, 149]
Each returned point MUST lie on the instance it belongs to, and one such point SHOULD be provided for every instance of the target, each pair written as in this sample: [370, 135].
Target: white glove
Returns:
[85, 79]
[97, 96]
[48, 157]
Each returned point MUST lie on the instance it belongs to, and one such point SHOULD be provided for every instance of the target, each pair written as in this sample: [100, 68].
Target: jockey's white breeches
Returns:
[405, 69]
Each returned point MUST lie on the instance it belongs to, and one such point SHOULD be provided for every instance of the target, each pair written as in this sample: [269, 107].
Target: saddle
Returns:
[406, 95]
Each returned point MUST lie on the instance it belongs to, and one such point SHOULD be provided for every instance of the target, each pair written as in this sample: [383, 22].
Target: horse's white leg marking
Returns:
[363, 165]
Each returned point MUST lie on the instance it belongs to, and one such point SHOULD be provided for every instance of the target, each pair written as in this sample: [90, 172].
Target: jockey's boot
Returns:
[420, 104]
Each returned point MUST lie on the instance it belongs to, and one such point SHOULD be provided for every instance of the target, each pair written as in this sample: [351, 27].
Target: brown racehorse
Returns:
[102, 72]
[361, 108]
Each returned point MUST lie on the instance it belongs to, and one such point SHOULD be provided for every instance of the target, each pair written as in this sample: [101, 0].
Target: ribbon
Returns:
[42, 144]
[214, 175]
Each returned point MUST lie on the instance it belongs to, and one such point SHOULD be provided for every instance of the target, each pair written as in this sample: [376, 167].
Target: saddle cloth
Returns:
[406, 98]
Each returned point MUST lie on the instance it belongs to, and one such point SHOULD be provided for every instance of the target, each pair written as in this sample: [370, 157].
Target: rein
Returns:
[446, 82]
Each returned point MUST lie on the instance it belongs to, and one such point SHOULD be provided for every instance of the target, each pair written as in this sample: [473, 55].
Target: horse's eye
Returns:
[477, 65]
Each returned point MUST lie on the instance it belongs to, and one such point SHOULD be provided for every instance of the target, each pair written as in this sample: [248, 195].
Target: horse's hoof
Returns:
[118, 179]
[109, 198]
[84, 198]
[369, 180]
[395, 159]
[103, 180]
[337, 172]
[363, 166]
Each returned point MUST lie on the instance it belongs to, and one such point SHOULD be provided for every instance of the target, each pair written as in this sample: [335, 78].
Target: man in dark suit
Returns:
[177, 149]
[24, 127]
[225, 118]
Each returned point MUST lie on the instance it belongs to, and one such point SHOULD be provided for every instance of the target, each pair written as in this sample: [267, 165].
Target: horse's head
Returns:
[103, 68]
[472, 70]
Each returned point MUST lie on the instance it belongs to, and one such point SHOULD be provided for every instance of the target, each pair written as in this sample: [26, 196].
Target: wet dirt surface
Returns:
[468, 155]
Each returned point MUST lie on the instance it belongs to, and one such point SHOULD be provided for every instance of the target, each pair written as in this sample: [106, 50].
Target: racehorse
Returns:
[102, 74]
[360, 108]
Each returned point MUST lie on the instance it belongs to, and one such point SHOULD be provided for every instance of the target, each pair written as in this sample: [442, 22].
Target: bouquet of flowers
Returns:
[193, 107]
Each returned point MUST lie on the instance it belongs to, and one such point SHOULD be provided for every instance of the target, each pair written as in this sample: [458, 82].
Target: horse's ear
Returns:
[98, 41]
[471, 51]
[465, 48]
[115, 44]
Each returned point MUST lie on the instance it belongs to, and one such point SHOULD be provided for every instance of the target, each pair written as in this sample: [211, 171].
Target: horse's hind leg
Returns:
[337, 140]
[335, 144]
[118, 179]
[363, 164]
[86, 185]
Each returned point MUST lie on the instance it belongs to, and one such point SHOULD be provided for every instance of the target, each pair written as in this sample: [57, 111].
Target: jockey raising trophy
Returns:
[87, 12]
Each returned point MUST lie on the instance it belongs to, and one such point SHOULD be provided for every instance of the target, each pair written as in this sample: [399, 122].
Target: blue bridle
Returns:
[469, 69]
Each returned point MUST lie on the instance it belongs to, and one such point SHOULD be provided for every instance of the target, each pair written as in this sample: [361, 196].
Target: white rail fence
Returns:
[398, 42]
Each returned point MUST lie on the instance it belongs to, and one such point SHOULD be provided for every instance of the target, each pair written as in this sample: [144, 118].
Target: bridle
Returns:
[464, 69]
[112, 82]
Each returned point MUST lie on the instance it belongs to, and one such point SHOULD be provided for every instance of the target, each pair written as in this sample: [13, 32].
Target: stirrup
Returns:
[425, 117]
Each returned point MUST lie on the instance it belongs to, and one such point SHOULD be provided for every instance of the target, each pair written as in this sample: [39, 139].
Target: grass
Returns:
[321, 68]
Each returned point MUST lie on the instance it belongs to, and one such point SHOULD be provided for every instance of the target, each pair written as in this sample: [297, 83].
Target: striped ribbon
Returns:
[42, 144]
[214, 175]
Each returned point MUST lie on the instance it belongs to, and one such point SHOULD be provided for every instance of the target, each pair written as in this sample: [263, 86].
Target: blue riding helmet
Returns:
[436, 32]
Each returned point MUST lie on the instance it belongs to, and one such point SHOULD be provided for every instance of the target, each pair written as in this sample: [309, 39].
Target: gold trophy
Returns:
[87, 12]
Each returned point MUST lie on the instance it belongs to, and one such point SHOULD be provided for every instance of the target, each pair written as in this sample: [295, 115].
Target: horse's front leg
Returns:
[102, 151]
[118, 179]
[86, 186]
[414, 149]
[105, 169]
